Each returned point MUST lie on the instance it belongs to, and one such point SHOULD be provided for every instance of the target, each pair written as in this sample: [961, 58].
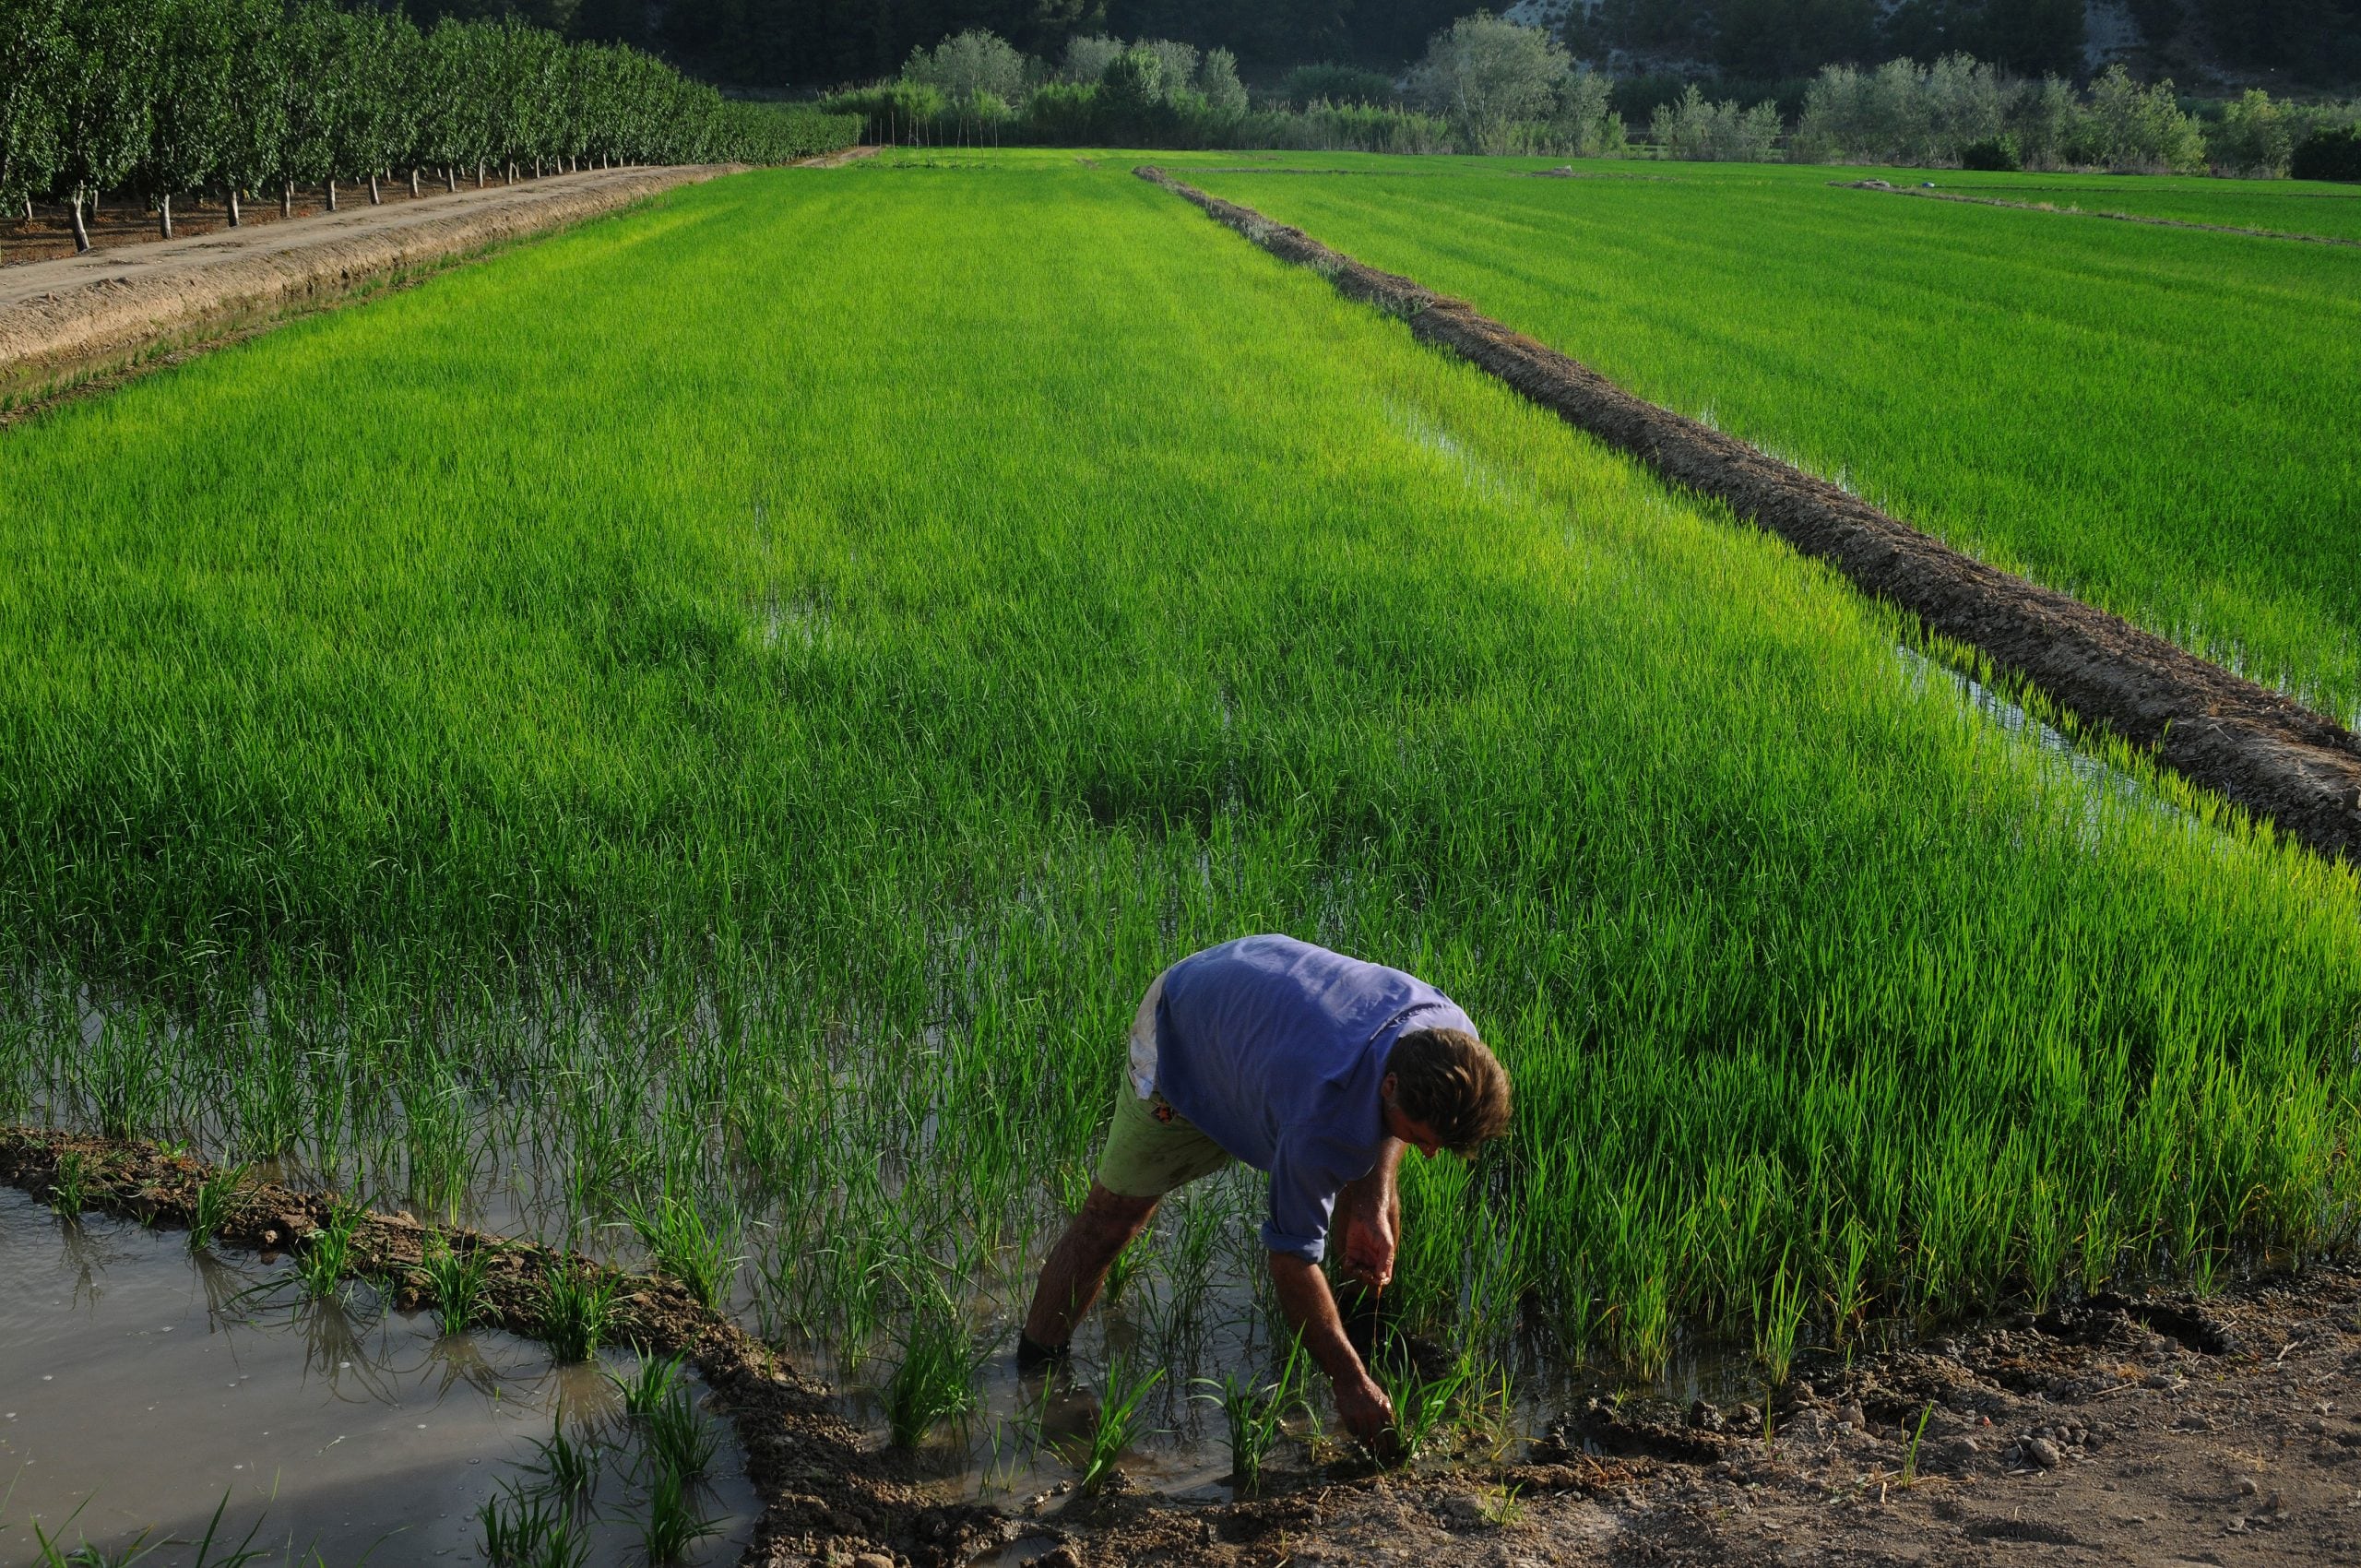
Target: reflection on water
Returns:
[141, 1382]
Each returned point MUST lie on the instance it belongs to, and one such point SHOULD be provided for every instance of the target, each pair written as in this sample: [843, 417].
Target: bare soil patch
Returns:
[2262, 751]
[2123, 1429]
[76, 315]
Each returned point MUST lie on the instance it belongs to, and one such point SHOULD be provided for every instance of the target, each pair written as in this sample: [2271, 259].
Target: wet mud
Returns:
[1892, 189]
[2122, 1428]
[2262, 751]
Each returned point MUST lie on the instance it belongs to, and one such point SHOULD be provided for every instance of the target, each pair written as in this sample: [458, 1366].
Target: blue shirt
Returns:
[1275, 1050]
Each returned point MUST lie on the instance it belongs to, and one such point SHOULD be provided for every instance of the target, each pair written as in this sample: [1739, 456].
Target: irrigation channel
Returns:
[2262, 751]
[160, 1381]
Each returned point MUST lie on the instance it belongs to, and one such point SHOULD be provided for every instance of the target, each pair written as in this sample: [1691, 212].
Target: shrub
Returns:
[2333, 154]
[2254, 140]
[1993, 154]
[1308, 85]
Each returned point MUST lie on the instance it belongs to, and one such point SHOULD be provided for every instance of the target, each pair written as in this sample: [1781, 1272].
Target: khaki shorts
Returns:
[1152, 1148]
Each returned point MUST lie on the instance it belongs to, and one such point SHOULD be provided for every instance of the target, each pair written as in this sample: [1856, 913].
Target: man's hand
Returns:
[1368, 1247]
[1367, 1413]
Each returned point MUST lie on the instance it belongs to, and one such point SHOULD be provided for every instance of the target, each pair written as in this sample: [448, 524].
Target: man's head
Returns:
[1444, 1089]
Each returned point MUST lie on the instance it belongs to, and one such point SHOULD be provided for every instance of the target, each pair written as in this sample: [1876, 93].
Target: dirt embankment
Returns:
[2124, 1430]
[2090, 212]
[2264, 752]
[80, 314]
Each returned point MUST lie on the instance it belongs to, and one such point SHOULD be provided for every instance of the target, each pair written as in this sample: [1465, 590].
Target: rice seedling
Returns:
[1121, 1422]
[458, 1280]
[934, 1378]
[1422, 1407]
[688, 1248]
[215, 1203]
[1778, 1323]
[1256, 1415]
[521, 1529]
[1910, 1457]
[575, 1303]
[69, 1184]
[568, 1465]
[680, 1441]
[651, 1382]
[672, 1525]
[325, 1256]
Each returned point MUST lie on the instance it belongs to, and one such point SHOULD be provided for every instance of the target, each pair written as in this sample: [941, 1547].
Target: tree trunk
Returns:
[81, 230]
[512, 174]
[230, 203]
[376, 196]
[331, 196]
[165, 216]
[451, 177]
[413, 181]
[287, 199]
[479, 173]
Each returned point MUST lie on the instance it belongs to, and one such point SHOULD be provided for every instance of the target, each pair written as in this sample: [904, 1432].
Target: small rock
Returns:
[1464, 1512]
[2246, 1487]
[1851, 1415]
[2042, 1452]
[1705, 1417]
[1748, 1417]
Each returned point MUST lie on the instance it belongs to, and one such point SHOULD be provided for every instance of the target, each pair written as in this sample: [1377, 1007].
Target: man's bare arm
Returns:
[1368, 1219]
[1368, 1414]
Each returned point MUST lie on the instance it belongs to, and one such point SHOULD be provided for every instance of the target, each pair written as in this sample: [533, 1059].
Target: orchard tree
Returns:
[104, 108]
[257, 105]
[191, 122]
[33, 46]
[1484, 74]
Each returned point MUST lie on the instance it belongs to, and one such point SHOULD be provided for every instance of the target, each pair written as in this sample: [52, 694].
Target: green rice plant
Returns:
[1778, 1323]
[69, 1184]
[568, 1465]
[458, 1280]
[934, 1378]
[325, 1258]
[1910, 1457]
[651, 1382]
[689, 1248]
[525, 1529]
[1422, 1407]
[1121, 1422]
[672, 1525]
[214, 1204]
[1256, 1414]
[680, 1441]
[576, 1302]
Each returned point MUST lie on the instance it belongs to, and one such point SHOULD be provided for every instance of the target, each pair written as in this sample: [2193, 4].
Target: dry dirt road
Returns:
[72, 316]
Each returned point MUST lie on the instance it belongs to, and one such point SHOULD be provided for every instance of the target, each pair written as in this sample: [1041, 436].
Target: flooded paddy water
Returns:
[144, 1385]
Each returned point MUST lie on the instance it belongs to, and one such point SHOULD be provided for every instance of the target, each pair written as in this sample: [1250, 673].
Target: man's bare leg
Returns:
[1077, 1266]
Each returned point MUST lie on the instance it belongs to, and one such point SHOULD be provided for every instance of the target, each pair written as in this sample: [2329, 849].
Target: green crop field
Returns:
[2154, 420]
[713, 719]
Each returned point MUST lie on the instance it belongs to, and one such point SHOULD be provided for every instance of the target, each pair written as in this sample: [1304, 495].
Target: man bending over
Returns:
[1317, 1068]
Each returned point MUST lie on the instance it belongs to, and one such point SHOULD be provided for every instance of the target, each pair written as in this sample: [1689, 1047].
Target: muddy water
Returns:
[141, 1383]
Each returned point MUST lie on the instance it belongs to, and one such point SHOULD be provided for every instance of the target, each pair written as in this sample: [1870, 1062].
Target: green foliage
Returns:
[2255, 137]
[530, 1529]
[1328, 83]
[458, 1281]
[326, 1255]
[693, 1250]
[2333, 154]
[1121, 1419]
[1993, 155]
[673, 1525]
[933, 1378]
[650, 1383]
[680, 1441]
[215, 1204]
[568, 1465]
[1255, 1415]
[575, 1303]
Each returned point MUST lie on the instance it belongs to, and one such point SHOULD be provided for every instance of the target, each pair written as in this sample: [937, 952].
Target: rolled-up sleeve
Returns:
[1303, 1194]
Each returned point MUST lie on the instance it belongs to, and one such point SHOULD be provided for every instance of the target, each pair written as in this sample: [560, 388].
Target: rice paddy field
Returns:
[2150, 419]
[685, 742]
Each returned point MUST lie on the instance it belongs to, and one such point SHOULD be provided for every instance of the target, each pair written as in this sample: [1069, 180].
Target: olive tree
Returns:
[192, 118]
[1485, 74]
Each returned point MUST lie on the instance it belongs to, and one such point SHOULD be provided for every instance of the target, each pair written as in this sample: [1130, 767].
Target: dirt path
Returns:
[1881, 186]
[77, 315]
[2141, 1430]
[2264, 752]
